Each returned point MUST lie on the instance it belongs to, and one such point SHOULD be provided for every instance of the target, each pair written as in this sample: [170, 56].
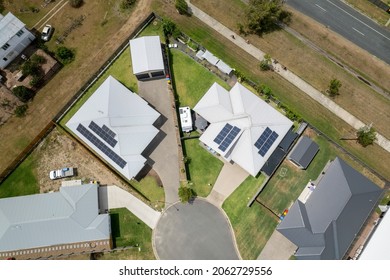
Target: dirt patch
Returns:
[94, 43]
[59, 150]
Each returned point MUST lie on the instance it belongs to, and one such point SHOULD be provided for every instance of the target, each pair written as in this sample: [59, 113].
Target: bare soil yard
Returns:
[101, 33]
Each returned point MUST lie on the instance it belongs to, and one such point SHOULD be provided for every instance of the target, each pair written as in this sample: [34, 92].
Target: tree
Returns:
[24, 94]
[76, 3]
[65, 55]
[127, 4]
[263, 16]
[185, 194]
[334, 87]
[21, 110]
[266, 63]
[168, 27]
[182, 7]
[366, 135]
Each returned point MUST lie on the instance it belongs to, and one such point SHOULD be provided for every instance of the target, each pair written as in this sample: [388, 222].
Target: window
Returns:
[5, 46]
[20, 33]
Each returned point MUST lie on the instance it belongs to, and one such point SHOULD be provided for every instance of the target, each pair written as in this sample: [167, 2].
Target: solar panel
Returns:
[264, 149]
[229, 138]
[222, 134]
[101, 146]
[109, 131]
[263, 137]
[103, 134]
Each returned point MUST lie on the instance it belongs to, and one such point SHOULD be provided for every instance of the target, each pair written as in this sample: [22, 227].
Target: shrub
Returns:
[76, 3]
[65, 55]
[24, 94]
[36, 81]
[182, 7]
[185, 194]
[127, 4]
[30, 68]
[366, 136]
[21, 110]
[38, 59]
[334, 87]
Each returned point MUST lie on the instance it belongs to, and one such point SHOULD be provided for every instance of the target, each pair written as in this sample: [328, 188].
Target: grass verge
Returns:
[203, 168]
[370, 10]
[128, 230]
[22, 181]
[254, 225]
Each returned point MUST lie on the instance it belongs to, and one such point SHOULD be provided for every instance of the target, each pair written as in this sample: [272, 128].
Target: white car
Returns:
[47, 32]
[61, 173]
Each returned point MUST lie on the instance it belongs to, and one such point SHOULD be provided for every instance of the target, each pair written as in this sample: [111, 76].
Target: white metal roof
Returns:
[68, 216]
[210, 57]
[223, 67]
[378, 246]
[243, 109]
[127, 115]
[9, 26]
[146, 54]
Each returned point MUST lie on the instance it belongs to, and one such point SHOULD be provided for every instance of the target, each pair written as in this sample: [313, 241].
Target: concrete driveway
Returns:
[278, 247]
[164, 154]
[114, 197]
[230, 177]
[196, 231]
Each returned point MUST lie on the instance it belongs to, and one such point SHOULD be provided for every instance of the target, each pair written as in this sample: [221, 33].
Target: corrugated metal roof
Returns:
[210, 58]
[243, 109]
[146, 54]
[223, 67]
[9, 26]
[304, 151]
[336, 210]
[68, 216]
[127, 115]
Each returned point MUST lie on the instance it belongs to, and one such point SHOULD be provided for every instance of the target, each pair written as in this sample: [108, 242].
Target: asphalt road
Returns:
[349, 23]
[196, 231]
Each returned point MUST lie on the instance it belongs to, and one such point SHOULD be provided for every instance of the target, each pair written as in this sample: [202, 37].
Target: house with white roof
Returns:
[243, 128]
[116, 124]
[51, 224]
[14, 38]
[147, 59]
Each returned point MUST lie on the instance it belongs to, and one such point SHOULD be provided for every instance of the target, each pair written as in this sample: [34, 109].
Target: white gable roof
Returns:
[125, 114]
[9, 26]
[146, 54]
[249, 113]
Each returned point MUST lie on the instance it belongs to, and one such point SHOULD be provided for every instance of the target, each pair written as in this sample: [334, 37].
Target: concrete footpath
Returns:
[286, 74]
[111, 197]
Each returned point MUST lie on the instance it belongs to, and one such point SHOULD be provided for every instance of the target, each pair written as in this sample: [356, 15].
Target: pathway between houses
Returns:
[111, 197]
[288, 75]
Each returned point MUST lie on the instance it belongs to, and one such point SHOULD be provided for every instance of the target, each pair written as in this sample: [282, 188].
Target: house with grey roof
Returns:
[14, 38]
[303, 152]
[50, 224]
[147, 58]
[118, 125]
[243, 128]
[330, 213]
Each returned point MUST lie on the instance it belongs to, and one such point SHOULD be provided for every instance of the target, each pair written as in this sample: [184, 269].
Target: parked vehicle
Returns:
[61, 173]
[47, 32]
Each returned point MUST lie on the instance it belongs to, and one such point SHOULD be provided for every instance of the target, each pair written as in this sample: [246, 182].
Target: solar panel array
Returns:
[109, 131]
[101, 146]
[103, 134]
[222, 134]
[265, 141]
[229, 138]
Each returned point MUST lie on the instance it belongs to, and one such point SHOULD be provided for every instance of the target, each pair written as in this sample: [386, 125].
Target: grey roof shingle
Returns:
[333, 214]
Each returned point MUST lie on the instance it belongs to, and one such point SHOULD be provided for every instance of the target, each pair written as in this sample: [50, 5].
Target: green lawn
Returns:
[155, 28]
[121, 70]
[151, 189]
[128, 230]
[252, 226]
[191, 79]
[203, 168]
[22, 181]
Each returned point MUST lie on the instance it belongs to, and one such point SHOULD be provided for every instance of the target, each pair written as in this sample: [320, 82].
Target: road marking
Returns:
[320, 7]
[358, 31]
[384, 36]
